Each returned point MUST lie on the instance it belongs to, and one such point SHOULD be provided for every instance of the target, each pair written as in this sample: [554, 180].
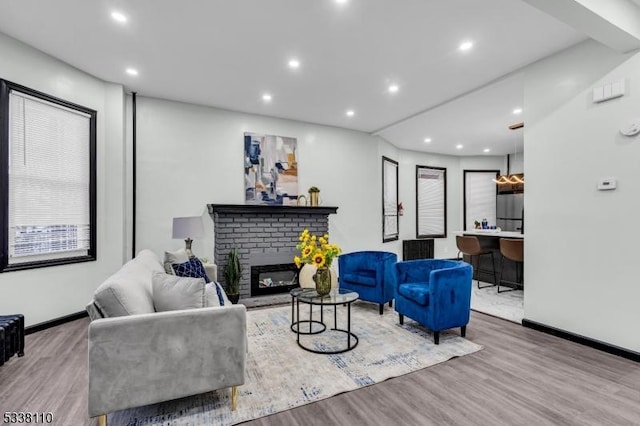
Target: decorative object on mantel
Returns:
[300, 197]
[187, 227]
[314, 196]
[232, 275]
[270, 169]
[318, 252]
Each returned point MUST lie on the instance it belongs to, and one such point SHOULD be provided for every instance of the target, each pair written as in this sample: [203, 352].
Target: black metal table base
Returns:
[352, 339]
[295, 323]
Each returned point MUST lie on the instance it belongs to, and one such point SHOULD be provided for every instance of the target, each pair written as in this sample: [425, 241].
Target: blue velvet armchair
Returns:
[369, 273]
[435, 293]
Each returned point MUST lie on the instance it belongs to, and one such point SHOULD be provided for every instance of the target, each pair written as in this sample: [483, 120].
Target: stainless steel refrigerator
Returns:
[510, 211]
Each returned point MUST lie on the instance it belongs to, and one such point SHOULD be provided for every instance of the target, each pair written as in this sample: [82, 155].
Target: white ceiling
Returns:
[228, 53]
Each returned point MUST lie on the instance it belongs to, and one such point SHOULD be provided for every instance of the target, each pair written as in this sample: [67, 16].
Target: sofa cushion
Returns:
[365, 277]
[128, 291]
[172, 293]
[192, 268]
[418, 292]
[171, 257]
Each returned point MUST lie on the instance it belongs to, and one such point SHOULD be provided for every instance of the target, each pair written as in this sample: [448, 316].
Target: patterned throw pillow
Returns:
[192, 268]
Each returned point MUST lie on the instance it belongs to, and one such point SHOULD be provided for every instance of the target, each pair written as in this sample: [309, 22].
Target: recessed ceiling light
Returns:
[466, 45]
[486, 150]
[393, 88]
[341, 1]
[351, 113]
[459, 146]
[517, 111]
[294, 64]
[266, 97]
[427, 140]
[119, 17]
[132, 71]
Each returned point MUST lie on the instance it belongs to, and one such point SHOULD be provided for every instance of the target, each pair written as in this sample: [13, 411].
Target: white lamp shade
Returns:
[187, 227]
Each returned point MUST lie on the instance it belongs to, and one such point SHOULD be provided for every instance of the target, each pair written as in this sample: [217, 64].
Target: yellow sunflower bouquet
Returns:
[315, 250]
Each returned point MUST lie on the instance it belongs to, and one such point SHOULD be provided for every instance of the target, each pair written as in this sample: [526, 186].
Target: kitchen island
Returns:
[492, 233]
[490, 240]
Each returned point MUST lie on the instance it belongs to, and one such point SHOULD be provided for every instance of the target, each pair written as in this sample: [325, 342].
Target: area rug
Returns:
[280, 375]
[508, 305]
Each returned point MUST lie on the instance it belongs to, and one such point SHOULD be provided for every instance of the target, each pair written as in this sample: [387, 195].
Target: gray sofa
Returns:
[138, 356]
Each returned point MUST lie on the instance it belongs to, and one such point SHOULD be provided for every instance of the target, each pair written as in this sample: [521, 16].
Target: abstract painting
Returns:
[270, 169]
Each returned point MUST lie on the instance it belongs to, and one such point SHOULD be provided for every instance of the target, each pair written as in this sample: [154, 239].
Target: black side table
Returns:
[335, 298]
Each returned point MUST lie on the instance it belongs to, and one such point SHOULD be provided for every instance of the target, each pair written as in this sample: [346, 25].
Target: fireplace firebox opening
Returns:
[273, 279]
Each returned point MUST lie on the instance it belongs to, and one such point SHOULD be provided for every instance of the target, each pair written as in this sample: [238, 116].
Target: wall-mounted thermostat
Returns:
[607, 184]
[632, 128]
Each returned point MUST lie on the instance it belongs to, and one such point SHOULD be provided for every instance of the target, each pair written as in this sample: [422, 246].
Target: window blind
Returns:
[431, 202]
[49, 178]
[480, 197]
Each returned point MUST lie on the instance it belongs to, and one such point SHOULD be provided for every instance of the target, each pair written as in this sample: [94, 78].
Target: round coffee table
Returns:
[335, 298]
[295, 320]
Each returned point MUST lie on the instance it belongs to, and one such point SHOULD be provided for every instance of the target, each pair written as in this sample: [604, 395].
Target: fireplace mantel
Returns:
[268, 209]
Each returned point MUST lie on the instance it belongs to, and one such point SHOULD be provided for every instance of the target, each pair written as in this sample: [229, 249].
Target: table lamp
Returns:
[187, 227]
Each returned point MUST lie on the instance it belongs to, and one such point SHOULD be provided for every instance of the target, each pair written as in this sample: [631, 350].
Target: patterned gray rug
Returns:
[281, 375]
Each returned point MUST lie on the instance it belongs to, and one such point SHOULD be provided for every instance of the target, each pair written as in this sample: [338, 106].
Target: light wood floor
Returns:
[522, 377]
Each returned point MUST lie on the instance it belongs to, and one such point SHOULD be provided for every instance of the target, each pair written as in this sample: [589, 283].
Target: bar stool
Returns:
[513, 250]
[470, 246]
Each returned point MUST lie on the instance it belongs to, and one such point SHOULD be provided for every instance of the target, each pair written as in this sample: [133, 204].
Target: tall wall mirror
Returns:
[431, 202]
[390, 229]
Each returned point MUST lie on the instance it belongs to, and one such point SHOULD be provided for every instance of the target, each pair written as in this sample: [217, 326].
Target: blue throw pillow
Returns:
[192, 268]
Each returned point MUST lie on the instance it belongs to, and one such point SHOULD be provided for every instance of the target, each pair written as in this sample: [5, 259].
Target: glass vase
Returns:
[322, 279]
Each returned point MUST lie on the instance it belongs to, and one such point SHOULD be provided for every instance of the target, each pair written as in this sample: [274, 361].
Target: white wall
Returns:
[443, 247]
[47, 293]
[190, 156]
[581, 254]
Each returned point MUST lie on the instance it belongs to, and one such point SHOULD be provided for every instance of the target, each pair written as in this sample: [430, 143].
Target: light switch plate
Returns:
[598, 94]
[617, 88]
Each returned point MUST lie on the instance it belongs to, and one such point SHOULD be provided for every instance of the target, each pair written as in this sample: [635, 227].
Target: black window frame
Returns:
[5, 89]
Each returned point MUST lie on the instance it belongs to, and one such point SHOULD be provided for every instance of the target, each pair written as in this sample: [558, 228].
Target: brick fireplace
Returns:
[265, 235]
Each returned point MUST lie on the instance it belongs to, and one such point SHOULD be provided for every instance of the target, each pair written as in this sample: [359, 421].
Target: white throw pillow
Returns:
[177, 257]
[211, 295]
[171, 293]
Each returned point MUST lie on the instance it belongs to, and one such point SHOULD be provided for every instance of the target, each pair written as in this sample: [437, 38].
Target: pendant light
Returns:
[510, 179]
